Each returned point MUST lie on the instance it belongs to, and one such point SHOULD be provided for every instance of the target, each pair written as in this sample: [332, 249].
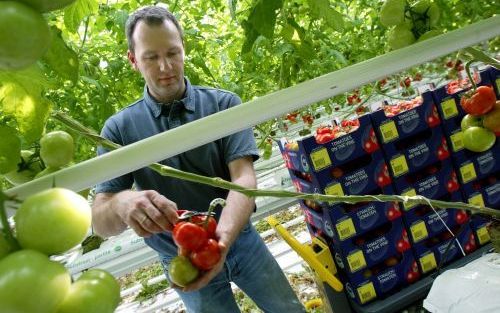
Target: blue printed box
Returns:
[483, 192]
[413, 153]
[363, 251]
[383, 280]
[342, 221]
[432, 182]
[393, 129]
[308, 156]
[495, 79]
[362, 176]
[443, 248]
[472, 166]
[479, 226]
[423, 222]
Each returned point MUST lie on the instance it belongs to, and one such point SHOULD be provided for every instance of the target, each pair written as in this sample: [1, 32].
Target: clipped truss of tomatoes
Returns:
[478, 102]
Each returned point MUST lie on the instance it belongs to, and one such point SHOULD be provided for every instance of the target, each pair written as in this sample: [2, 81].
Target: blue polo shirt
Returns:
[147, 117]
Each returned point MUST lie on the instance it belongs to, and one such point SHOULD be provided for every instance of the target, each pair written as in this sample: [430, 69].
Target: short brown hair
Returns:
[151, 15]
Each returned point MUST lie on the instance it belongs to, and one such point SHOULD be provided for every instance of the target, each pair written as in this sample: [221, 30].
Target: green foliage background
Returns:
[251, 47]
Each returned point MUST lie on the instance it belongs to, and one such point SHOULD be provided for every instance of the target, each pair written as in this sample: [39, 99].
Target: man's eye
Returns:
[151, 57]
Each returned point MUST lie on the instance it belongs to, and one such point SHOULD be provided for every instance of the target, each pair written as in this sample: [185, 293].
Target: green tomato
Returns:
[431, 33]
[96, 291]
[10, 145]
[24, 35]
[478, 139]
[181, 271]
[31, 283]
[106, 278]
[56, 149]
[47, 5]
[26, 170]
[392, 12]
[470, 120]
[429, 10]
[52, 221]
[400, 37]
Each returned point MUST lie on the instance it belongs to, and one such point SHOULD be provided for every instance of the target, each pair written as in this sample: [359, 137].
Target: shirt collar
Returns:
[156, 107]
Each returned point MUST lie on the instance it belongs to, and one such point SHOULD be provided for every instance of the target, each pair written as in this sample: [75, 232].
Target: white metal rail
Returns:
[194, 134]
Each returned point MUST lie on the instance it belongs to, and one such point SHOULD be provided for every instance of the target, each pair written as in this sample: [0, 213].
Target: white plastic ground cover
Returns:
[473, 288]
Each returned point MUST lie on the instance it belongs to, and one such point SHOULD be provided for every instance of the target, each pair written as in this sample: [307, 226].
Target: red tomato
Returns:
[189, 236]
[210, 227]
[207, 256]
[478, 102]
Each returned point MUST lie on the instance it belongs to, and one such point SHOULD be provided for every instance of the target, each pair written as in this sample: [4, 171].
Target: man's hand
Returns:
[146, 212]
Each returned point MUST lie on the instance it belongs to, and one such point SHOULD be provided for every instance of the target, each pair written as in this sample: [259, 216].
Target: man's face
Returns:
[159, 57]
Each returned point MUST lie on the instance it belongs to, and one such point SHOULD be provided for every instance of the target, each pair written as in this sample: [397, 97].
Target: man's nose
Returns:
[165, 63]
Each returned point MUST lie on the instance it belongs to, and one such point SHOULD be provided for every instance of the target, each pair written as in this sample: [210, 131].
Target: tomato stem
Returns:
[224, 184]
[213, 204]
[6, 230]
[467, 70]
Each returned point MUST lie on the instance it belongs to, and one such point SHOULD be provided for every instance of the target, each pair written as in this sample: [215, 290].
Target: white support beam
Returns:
[194, 134]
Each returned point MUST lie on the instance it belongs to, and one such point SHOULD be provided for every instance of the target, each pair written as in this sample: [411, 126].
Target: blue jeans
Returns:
[251, 266]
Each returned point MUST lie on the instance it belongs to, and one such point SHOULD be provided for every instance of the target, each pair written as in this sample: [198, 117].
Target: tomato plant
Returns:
[181, 271]
[392, 12]
[56, 149]
[30, 282]
[94, 291]
[21, 46]
[52, 221]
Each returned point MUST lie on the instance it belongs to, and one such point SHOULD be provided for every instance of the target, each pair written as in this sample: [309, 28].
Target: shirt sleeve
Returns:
[240, 144]
[111, 131]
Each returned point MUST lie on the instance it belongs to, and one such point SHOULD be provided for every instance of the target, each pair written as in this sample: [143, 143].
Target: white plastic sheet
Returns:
[474, 287]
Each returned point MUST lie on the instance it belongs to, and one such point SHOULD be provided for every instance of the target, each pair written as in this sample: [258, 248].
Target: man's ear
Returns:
[132, 60]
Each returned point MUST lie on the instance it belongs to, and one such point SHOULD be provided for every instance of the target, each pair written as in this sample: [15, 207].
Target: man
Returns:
[156, 50]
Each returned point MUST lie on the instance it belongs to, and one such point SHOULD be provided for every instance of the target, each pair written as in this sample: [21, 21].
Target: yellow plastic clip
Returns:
[316, 255]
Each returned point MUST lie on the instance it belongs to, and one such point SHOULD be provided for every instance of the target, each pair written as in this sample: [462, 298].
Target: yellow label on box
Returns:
[345, 229]
[468, 172]
[457, 142]
[428, 262]
[483, 236]
[356, 261]
[399, 165]
[419, 231]
[367, 292]
[334, 190]
[409, 205]
[320, 159]
[476, 200]
[389, 131]
[449, 108]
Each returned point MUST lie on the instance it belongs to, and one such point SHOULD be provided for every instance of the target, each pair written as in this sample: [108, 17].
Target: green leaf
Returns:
[74, 14]
[321, 9]
[263, 17]
[60, 58]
